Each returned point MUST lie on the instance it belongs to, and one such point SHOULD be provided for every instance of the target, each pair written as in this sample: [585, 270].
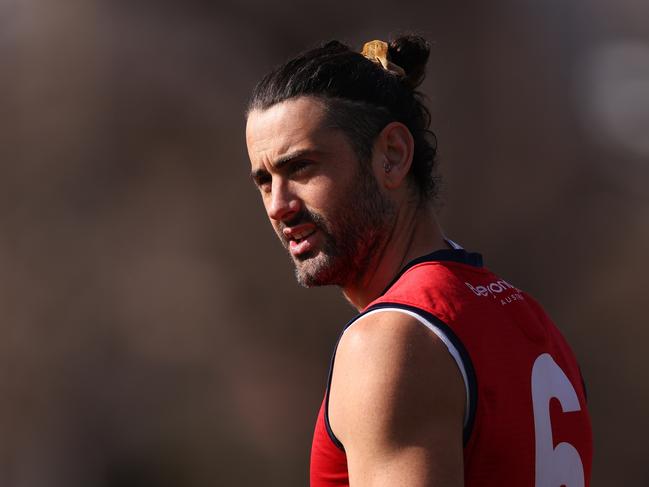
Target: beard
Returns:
[353, 231]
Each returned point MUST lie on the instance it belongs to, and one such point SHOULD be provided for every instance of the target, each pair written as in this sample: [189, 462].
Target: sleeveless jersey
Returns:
[526, 421]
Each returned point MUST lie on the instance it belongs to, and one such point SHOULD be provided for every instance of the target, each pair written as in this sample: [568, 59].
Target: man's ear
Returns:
[394, 149]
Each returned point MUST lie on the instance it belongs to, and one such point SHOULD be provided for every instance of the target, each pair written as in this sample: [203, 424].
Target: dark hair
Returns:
[361, 97]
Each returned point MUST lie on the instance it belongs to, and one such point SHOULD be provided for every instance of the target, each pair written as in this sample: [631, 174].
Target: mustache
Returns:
[304, 216]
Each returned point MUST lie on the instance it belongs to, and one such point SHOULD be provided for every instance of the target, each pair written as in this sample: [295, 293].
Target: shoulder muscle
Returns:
[396, 392]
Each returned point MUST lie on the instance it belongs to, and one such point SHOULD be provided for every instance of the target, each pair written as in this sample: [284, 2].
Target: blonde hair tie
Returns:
[377, 52]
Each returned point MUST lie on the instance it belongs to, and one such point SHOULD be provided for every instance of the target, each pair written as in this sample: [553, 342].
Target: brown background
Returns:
[151, 333]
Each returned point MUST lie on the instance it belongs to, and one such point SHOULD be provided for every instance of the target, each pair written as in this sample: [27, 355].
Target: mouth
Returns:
[301, 239]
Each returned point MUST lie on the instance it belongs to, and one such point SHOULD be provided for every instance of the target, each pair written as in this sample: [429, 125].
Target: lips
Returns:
[301, 238]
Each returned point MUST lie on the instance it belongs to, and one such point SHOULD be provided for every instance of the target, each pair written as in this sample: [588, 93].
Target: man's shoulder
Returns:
[395, 344]
[389, 363]
[385, 332]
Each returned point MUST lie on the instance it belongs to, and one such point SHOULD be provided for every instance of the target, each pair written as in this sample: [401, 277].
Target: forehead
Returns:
[292, 125]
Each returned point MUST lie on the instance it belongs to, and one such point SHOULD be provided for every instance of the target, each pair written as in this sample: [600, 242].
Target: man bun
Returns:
[411, 53]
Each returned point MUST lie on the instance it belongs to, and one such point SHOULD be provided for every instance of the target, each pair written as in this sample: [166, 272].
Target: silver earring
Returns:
[387, 167]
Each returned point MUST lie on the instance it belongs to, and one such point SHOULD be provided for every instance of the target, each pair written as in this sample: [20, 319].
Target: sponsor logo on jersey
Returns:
[496, 289]
[492, 288]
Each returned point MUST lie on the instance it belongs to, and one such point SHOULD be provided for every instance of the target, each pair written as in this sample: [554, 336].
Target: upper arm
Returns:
[396, 403]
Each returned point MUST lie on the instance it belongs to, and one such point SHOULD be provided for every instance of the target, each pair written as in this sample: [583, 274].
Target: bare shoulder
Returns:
[387, 335]
[395, 384]
[392, 352]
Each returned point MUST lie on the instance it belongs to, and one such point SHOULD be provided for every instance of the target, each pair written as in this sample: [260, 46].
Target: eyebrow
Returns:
[282, 161]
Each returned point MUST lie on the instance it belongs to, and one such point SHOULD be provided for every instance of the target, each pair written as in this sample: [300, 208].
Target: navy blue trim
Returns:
[448, 332]
[583, 384]
[453, 255]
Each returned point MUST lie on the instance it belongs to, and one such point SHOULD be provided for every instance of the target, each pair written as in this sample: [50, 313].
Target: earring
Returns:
[387, 167]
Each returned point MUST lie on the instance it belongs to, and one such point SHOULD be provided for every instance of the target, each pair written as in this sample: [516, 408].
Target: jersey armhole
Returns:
[453, 345]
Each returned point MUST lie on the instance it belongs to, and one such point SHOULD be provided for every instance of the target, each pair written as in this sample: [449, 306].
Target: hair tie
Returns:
[377, 52]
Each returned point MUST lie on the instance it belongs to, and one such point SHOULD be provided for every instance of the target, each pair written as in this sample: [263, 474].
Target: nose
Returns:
[283, 203]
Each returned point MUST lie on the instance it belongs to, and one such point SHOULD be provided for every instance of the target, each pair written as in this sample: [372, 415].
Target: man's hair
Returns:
[361, 97]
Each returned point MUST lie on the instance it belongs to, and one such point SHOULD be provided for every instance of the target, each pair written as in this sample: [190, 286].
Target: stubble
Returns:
[353, 232]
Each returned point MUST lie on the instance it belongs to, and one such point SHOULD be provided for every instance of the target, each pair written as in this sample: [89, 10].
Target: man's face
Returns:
[323, 203]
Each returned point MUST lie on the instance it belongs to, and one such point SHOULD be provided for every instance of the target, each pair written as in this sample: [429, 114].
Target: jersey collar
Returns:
[458, 255]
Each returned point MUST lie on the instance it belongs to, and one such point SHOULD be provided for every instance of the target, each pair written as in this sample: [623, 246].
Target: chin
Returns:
[319, 271]
[311, 279]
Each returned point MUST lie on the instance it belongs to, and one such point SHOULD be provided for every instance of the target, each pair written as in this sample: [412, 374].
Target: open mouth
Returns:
[300, 239]
[300, 236]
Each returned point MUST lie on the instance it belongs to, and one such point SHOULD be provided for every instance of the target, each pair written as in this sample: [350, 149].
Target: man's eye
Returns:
[263, 183]
[299, 166]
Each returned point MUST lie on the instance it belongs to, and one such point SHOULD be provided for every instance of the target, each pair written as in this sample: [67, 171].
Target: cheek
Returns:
[322, 193]
[265, 200]
[277, 230]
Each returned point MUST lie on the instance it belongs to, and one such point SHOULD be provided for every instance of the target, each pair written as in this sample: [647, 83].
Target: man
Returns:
[450, 375]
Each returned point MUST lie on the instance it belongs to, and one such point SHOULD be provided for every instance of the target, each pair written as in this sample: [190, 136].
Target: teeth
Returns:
[299, 236]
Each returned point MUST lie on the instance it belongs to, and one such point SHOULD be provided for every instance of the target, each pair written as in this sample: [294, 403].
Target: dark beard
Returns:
[353, 233]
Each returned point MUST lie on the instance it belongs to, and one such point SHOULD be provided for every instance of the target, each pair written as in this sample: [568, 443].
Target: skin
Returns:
[397, 398]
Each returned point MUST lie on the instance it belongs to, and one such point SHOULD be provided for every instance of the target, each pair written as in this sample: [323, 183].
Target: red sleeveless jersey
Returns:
[526, 422]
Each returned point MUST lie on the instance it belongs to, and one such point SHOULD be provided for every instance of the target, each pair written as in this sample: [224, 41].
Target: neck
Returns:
[415, 232]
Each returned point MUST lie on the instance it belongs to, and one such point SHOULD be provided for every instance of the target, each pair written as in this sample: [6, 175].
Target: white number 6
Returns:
[560, 466]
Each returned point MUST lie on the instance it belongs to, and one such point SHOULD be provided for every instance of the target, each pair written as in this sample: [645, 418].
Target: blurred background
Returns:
[151, 332]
